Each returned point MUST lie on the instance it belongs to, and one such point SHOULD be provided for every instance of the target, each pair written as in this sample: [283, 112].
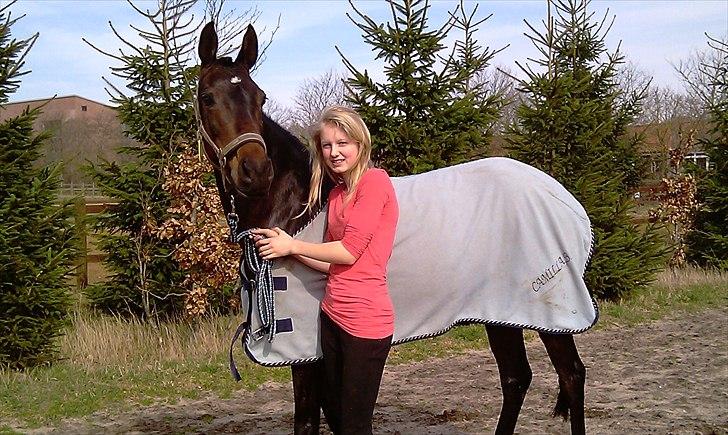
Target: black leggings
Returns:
[354, 369]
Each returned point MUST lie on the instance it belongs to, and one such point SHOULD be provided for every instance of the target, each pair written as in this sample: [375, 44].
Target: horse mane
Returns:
[291, 154]
[282, 135]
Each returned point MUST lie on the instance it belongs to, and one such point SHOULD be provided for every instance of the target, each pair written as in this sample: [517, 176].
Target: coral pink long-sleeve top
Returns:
[357, 297]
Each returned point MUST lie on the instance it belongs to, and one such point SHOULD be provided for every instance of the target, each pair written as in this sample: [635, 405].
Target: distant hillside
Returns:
[81, 129]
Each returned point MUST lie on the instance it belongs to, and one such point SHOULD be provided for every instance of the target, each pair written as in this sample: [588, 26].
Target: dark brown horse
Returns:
[264, 171]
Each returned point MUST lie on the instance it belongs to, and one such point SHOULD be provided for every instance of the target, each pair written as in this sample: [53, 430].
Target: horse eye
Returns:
[207, 99]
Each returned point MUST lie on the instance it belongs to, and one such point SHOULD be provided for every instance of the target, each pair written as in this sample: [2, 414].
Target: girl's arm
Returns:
[372, 196]
[321, 266]
[277, 243]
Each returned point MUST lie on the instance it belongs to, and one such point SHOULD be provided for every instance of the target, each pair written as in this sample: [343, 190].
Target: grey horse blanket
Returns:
[493, 241]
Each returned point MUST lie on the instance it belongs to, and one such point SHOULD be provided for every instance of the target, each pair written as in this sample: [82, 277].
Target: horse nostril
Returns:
[254, 174]
[247, 171]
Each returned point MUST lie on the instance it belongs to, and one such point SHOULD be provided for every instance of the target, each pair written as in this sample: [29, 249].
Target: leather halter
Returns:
[232, 146]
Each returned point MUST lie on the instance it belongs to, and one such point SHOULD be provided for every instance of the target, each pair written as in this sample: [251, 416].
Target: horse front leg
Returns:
[572, 375]
[515, 373]
[308, 394]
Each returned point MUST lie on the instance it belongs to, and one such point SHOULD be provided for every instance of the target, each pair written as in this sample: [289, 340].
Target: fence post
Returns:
[81, 230]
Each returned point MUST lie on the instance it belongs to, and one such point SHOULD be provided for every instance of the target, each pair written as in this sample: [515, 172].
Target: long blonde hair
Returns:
[353, 125]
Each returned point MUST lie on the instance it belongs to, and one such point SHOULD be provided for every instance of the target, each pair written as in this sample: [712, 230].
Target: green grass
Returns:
[664, 299]
[455, 341]
[114, 365]
[44, 396]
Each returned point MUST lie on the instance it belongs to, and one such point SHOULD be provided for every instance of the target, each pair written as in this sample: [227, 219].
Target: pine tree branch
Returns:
[20, 62]
[8, 22]
[122, 39]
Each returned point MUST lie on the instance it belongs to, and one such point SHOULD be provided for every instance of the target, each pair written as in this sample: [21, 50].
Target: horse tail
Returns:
[562, 405]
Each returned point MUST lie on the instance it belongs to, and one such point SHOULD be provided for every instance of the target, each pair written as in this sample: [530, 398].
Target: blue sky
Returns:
[653, 34]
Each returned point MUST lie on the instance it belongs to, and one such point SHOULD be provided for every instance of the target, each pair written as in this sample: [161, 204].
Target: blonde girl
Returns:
[357, 317]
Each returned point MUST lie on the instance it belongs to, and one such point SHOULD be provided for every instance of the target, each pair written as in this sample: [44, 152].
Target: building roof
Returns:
[663, 136]
[67, 107]
[56, 97]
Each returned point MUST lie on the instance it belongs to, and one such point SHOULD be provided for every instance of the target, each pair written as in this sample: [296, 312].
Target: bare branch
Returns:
[316, 94]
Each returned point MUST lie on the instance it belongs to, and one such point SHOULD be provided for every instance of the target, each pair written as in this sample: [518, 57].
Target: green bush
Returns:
[145, 279]
[424, 116]
[37, 241]
[708, 243]
[572, 127]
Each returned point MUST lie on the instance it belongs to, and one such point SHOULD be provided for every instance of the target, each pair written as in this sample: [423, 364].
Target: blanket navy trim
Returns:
[313, 217]
[459, 322]
[284, 325]
[592, 243]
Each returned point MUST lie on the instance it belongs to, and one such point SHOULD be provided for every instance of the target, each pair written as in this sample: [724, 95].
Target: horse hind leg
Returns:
[572, 375]
[515, 373]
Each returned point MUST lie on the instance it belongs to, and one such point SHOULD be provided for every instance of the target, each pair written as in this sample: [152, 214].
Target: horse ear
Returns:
[249, 51]
[208, 44]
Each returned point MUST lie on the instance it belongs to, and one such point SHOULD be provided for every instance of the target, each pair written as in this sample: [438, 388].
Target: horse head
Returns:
[230, 110]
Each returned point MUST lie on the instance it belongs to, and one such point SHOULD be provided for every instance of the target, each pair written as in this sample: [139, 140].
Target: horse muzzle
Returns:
[251, 175]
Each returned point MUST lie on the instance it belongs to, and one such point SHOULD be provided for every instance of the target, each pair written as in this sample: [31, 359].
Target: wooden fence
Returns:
[89, 254]
[86, 190]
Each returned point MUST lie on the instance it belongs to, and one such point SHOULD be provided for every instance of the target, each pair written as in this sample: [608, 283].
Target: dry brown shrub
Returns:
[205, 251]
[678, 202]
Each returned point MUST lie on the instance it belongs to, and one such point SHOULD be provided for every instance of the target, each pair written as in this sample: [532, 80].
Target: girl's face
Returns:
[339, 150]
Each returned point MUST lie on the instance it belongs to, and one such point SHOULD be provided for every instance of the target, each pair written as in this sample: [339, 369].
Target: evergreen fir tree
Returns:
[158, 116]
[708, 243]
[37, 241]
[423, 116]
[573, 128]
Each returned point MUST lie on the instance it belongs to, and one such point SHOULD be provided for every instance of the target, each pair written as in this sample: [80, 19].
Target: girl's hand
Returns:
[273, 243]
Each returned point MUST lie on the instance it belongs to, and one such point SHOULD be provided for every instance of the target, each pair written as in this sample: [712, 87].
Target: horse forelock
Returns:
[212, 74]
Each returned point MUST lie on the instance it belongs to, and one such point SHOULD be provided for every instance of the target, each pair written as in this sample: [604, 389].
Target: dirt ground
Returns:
[665, 377]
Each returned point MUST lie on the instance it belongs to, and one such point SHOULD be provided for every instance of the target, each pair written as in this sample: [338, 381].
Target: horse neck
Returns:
[289, 189]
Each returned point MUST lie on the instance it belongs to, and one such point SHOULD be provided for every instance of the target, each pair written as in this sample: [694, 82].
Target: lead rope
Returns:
[262, 281]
